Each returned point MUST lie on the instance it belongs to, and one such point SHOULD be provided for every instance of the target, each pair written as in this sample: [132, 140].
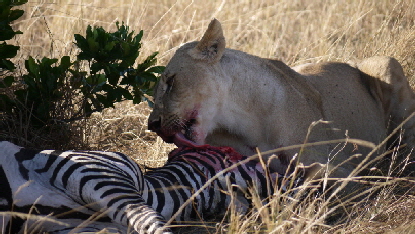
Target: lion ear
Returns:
[212, 44]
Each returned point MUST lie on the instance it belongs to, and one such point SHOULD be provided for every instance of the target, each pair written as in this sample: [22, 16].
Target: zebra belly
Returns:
[28, 200]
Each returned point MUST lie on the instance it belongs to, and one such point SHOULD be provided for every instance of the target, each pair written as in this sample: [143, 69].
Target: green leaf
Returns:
[127, 95]
[96, 81]
[7, 33]
[125, 48]
[8, 51]
[15, 14]
[30, 81]
[80, 42]
[31, 66]
[102, 79]
[147, 77]
[65, 62]
[17, 2]
[137, 99]
[8, 81]
[101, 98]
[96, 67]
[156, 69]
[6, 64]
[47, 62]
[139, 36]
[92, 44]
[110, 46]
[113, 75]
[95, 33]
[148, 62]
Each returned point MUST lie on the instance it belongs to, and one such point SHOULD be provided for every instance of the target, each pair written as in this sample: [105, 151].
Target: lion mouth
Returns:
[182, 133]
[181, 137]
[185, 137]
[180, 141]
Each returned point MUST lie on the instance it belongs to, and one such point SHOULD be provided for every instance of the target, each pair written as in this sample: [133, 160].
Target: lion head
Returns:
[185, 106]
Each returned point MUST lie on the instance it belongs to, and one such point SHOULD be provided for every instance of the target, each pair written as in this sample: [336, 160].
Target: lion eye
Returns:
[169, 82]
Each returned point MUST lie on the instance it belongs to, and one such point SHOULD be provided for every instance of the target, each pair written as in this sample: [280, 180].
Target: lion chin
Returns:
[180, 140]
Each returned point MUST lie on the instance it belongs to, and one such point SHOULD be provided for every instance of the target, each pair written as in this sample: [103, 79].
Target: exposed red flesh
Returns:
[229, 151]
[182, 142]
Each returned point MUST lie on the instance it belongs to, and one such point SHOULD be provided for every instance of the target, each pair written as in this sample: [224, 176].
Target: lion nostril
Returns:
[154, 125]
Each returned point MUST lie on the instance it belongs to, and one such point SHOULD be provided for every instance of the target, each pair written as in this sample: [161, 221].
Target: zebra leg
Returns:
[144, 219]
[123, 204]
[131, 210]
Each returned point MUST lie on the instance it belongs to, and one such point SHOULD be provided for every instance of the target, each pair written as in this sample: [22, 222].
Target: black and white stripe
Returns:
[92, 190]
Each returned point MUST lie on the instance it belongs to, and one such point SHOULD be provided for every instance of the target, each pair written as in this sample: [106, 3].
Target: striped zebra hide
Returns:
[86, 191]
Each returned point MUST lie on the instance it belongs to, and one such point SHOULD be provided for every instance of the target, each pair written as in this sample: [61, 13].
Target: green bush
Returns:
[7, 15]
[51, 88]
[54, 92]
[112, 77]
[44, 94]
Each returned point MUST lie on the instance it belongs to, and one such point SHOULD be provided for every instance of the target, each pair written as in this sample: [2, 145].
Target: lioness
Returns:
[210, 94]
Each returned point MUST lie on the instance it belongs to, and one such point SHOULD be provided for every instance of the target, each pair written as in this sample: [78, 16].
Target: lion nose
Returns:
[154, 125]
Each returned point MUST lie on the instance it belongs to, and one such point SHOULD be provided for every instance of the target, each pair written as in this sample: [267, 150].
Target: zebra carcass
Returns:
[81, 191]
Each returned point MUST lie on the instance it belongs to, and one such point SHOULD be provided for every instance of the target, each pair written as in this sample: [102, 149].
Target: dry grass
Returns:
[294, 31]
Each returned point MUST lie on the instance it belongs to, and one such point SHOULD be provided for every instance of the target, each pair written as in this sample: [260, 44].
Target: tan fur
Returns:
[246, 102]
